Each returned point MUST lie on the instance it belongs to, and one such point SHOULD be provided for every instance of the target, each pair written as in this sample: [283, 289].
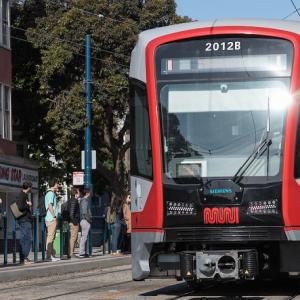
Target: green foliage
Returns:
[28, 113]
[56, 66]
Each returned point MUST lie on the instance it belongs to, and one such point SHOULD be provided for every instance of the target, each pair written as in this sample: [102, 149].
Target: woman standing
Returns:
[115, 217]
[127, 219]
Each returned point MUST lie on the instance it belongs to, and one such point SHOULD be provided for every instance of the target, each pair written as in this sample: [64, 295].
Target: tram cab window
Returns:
[297, 151]
[141, 151]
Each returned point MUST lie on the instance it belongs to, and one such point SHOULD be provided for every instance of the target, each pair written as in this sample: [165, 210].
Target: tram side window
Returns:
[141, 152]
[297, 151]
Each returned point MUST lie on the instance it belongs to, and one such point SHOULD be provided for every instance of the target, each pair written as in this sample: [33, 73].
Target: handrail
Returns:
[10, 241]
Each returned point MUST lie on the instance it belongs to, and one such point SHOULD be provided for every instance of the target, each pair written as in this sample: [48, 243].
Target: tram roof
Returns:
[138, 64]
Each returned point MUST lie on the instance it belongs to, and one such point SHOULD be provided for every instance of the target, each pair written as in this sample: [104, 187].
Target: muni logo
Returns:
[220, 191]
[221, 215]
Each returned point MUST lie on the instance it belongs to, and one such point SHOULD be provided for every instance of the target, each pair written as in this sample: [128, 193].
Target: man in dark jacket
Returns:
[74, 212]
[24, 205]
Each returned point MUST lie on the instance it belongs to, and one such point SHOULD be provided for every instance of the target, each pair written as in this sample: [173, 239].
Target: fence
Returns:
[61, 242]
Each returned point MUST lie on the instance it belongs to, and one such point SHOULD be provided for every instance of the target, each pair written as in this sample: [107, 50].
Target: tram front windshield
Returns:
[219, 100]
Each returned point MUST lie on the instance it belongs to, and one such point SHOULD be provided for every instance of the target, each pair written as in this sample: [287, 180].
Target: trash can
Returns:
[56, 244]
[97, 231]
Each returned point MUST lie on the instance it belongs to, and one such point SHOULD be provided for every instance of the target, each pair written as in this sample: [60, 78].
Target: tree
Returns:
[29, 112]
[58, 38]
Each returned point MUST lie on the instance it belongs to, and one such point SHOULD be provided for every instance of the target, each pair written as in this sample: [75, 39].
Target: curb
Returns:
[62, 267]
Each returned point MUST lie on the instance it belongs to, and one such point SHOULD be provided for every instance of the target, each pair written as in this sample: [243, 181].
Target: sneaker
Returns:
[27, 261]
[81, 256]
[53, 258]
[48, 259]
[116, 254]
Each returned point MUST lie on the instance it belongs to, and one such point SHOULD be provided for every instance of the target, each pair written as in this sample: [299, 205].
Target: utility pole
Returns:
[87, 134]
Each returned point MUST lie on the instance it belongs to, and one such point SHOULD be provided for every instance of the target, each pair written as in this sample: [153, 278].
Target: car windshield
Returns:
[210, 129]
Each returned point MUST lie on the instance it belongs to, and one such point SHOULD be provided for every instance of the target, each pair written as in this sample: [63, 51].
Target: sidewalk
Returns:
[16, 272]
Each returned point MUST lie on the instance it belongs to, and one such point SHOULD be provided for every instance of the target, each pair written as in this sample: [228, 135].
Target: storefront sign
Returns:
[16, 176]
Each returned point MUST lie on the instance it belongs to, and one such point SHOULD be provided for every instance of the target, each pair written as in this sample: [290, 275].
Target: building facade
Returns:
[14, 170]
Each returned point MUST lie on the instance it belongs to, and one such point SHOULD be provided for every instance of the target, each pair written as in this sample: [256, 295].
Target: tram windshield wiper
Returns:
[258, 152]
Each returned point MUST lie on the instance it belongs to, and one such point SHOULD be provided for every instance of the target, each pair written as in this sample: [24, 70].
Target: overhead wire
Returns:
[295, 11]
[99, 15]
[106, 85]
[295, 7]
[74, 43]
[109, 85]
[93, 83]
[290, 14]
[92, 57]
[68, 42]
[97, 84]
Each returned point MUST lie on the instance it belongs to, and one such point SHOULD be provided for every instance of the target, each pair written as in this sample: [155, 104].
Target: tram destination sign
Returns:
[230, 54]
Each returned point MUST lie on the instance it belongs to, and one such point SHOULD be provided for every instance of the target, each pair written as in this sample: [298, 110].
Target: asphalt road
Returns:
[116, 283]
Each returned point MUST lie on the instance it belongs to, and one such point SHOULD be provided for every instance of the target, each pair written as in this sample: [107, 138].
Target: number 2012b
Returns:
[223, 46]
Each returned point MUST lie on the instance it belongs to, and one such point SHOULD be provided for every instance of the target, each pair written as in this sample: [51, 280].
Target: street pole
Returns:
[87, 135]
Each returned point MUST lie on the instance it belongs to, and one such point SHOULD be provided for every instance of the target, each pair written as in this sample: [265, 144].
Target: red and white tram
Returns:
[215, 154]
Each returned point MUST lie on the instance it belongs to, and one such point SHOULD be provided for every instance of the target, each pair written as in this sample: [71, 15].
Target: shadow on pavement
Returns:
[254, 290]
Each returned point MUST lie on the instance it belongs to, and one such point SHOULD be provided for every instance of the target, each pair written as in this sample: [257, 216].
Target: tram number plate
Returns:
[222, 46]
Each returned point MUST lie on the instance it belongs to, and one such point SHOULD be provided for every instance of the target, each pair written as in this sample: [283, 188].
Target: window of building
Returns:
[5, 40]
[5, 112]
[7, 121]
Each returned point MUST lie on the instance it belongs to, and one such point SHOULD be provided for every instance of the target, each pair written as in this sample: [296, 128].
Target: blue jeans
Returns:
[25, 239]
[115, 233]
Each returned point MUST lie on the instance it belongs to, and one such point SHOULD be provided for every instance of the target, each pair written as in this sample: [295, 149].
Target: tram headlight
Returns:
[280, 100]
[180, 208]
[265, 207]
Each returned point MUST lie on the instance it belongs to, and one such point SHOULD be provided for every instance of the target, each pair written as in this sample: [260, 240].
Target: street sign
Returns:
[93, 160]
[78, 178]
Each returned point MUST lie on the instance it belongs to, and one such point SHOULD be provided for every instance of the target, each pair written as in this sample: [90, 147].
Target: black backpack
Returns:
[42, 207]
[65, 211]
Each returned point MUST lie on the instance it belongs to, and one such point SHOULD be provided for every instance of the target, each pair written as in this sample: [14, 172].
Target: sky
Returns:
[224, 9]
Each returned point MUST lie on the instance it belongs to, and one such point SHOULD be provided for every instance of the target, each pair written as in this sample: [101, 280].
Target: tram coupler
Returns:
[223, 264]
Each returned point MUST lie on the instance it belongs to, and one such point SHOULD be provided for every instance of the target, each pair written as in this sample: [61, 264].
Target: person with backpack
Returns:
[51, 207]
[85, 222]
[25, 222]
[74, 217]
